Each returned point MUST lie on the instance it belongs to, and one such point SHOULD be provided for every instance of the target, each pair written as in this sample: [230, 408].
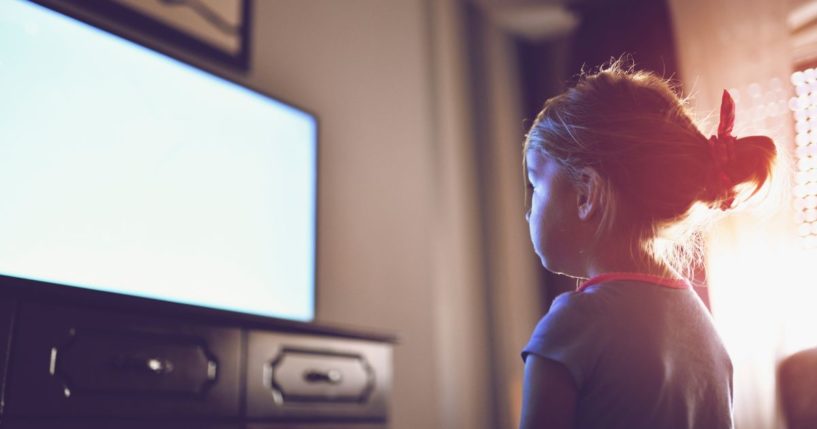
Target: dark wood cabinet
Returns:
[79, 423]
[73, 361]
[72, 358]
[292, 376]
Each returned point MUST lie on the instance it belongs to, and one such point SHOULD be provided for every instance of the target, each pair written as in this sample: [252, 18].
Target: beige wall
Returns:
[399, 244]
[364, 67]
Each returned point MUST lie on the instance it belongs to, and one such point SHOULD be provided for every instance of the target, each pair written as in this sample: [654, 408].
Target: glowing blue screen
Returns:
[127, 171]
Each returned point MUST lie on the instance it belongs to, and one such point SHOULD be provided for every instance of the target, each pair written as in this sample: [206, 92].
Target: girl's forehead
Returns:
[537, 161]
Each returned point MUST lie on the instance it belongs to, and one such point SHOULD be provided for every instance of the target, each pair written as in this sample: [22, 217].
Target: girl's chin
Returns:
[549, 266]
[542, 259]
[554, 265]
[558, 269]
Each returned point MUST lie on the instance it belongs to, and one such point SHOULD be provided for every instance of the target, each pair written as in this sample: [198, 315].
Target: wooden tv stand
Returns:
[78, 358]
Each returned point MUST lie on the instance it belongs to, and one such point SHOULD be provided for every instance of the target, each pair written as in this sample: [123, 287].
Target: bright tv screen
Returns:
[124, 170]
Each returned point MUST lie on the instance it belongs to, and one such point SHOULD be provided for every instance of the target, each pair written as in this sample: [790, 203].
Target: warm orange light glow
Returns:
[759, 268]
[760, 265]
[770, 274]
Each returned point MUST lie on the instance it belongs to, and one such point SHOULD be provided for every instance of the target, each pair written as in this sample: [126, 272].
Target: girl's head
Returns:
[632, 168]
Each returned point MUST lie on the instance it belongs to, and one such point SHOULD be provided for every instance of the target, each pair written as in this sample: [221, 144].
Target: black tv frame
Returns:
[103, 13]
[82, 11]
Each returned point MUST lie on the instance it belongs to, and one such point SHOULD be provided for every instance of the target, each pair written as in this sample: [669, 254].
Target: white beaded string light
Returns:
[804, 106]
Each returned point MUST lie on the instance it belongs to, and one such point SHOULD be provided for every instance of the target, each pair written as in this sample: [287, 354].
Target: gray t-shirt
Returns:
[642, 356]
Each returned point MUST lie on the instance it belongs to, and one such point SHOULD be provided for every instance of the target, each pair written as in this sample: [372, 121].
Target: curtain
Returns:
[758, 270]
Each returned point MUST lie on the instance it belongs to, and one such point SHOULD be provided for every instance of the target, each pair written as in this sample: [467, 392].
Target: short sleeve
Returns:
[569, 334]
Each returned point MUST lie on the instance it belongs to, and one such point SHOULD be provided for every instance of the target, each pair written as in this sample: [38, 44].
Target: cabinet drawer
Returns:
[80, 362]
[316, 377]
[7, 308]
[79, 423]
[317, 425]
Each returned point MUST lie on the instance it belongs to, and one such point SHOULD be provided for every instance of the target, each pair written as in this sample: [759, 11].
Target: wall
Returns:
[400, 246]
[391, 256]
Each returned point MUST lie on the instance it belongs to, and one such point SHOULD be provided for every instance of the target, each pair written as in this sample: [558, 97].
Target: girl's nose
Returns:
[527, 215]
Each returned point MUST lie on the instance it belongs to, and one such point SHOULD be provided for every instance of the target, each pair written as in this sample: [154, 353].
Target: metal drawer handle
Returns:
[151, 365]
[330, 376]
[159, 366]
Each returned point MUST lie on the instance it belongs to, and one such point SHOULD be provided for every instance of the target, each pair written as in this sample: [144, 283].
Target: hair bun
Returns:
[750, 163]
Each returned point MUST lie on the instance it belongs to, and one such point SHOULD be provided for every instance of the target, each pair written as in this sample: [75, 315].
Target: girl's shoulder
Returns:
[585, 305]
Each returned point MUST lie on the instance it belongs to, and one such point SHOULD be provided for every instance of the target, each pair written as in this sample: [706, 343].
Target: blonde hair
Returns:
[661, 184]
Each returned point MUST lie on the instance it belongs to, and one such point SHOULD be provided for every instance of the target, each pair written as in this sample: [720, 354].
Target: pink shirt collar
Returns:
[640, 277]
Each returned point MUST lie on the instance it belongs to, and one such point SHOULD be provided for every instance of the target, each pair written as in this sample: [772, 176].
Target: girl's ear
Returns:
[588, 193]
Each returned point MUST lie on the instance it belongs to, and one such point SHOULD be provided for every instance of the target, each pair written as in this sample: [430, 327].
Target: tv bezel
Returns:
[69, 9]
[148, 30]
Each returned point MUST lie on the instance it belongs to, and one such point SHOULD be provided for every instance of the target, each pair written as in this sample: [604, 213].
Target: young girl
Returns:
[618, 175]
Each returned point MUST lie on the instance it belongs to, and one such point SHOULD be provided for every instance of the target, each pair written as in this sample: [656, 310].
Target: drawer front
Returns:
[317, 425]
[78, 362]
[301, 376]
[115, 424]
[7, 309]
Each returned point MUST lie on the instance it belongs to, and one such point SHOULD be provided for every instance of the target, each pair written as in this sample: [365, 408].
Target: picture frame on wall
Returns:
[208, 32]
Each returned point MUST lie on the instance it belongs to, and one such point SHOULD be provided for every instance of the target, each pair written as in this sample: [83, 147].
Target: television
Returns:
[125, 170]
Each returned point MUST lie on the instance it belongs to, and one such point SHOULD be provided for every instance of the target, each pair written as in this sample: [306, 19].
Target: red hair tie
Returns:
[722, 145]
